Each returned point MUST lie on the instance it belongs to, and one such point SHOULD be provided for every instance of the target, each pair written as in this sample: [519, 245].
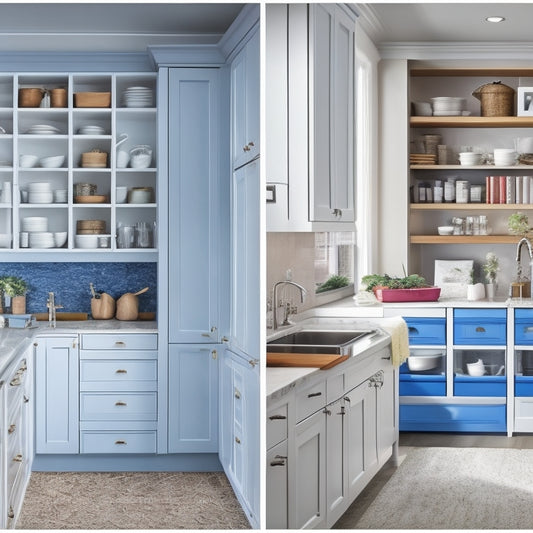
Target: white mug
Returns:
[123, 158]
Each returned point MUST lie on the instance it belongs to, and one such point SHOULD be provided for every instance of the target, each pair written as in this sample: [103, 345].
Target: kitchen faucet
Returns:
[51, 304]
[303, 292]
[523, 241]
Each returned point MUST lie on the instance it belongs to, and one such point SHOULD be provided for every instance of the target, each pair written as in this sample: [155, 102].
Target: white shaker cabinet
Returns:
[57, 395]
[245, 102]
[316, 93]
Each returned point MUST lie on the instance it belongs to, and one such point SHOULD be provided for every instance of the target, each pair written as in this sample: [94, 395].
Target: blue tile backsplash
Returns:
[70, 283]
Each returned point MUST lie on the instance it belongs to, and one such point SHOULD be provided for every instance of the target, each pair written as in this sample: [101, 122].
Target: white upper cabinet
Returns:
[245, 103]
[311, 152]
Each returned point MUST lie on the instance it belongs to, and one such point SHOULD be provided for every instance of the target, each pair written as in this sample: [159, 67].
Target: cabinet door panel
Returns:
[56, 396]
[193, 213]
[192, 399]
[336, 461]
[276, 487]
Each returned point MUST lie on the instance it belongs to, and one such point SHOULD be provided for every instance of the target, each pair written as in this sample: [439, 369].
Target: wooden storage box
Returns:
[94, 159]
[92, 99]
[90, 227]
[30, 97]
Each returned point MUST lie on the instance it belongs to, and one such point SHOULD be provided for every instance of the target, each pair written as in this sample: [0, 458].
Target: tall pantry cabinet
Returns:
[209, 272]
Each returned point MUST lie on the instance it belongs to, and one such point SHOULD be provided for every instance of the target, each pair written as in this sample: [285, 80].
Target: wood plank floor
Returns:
[409, 440]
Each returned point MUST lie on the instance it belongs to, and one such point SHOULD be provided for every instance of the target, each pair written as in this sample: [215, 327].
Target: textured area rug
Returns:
[456, 488]
[130, 500]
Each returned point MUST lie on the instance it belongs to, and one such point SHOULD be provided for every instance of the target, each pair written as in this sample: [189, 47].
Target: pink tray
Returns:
[426, 294]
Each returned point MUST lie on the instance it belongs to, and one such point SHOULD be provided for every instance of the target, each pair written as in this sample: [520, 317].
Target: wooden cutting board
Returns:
[61, 316]
[322, 361]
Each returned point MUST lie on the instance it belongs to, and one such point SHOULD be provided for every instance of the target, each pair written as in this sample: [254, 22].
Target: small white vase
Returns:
[475, 292]
[490, 291]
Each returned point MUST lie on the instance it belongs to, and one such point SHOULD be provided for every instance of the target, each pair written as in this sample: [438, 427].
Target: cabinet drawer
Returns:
[480, 326]
[310, 400]
[118, 370]
[124, 406]
[426, 330]
[118, 442]
[115, 341]
[422, 385]
[15, 385]
[277, 425]
[523, 327]
[490, 386]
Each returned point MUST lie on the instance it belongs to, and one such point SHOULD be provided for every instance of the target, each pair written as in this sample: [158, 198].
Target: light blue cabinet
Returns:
[193, 398]
[245, 294]
[245, 82]
[56, 395]
[239, 419]
[194, 246]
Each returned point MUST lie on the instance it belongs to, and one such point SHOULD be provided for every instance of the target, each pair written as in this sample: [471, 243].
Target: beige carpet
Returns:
[130, 500]
[456, 488]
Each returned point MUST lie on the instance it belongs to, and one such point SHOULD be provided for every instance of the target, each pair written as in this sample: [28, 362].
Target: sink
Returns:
[317, 342]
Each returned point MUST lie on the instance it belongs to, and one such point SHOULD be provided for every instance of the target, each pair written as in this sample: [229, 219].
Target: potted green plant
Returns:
[400, 289]
[474, 291]
[15, 288]
[518, 224]
[491, 268]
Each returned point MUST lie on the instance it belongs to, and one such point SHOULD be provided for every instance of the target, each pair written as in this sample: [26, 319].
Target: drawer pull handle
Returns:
[120, 442]
[386, 358]
[121, 371]
[237, 440]
[314, 394]
[26, 399]
[528, 329]
[480, 329]
[120, 343]
[279, 460]
[18, 458]
[120, 403]
[15, 382]
[237, 394]
[413, 330]
[12, 428]
[327, 412]
[277, 417]
[11, 513]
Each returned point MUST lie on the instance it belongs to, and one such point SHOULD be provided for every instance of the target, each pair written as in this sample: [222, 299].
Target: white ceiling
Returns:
[103, 26]
[446, 22]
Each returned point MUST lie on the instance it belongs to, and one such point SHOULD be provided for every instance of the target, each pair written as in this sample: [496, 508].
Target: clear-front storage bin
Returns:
[480, 372]
[424, 373]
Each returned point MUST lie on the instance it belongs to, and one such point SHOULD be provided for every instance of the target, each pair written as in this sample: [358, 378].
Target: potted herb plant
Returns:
[15, 288]
[474, 291]
[518, 224]
[491, 269]
[412, 288]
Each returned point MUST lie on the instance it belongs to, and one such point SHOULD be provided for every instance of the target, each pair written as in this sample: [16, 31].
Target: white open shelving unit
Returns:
[140, 123]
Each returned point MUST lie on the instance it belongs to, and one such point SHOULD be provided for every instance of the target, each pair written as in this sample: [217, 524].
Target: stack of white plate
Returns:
[41, 239]
[470, 158]
[91, 130]
[448, 106]
[34, 224]
[40, 192]
[505, 157]
[43, 129]
[138, 97]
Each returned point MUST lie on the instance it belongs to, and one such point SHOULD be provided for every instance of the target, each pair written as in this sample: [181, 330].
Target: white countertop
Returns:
[15, 340]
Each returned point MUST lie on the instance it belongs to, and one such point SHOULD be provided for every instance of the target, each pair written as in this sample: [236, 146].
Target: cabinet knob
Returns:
[15, 382]
[12, 428]
[11, 513]
[327, 412]
[18, 458]
[251, 143]
[26, 399]
[237, 440]
[253, 362]
[214, 354]
[246, 148]
[237, 393]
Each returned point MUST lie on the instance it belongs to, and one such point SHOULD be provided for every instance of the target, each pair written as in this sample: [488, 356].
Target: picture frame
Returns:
[453, 277]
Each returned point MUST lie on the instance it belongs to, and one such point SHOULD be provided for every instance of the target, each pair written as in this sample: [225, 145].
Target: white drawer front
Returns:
[277, 425]
[115, 341]
[120, 406]
[310, 400]
[118, 442]
[118, 370]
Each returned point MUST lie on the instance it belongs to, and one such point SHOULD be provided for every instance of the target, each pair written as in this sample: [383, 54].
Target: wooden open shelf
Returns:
[470, 207]
[464, 239]
[498, 72]
[471, 122]
[488, 168]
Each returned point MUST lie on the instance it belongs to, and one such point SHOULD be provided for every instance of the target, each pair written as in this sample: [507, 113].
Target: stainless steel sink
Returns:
[316, 341]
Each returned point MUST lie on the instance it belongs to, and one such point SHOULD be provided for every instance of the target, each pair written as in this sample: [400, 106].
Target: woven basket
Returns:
[90, 227]
[497, 99]
[94, 159]
[30, 97]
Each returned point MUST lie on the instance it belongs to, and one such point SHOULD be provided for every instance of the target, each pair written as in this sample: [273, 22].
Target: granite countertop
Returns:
[15, 340]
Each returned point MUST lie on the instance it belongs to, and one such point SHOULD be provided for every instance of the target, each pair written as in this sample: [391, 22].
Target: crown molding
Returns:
[369, 20]
[456, 50]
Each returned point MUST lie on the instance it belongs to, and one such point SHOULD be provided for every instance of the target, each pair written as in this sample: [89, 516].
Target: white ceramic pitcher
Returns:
[123, 157]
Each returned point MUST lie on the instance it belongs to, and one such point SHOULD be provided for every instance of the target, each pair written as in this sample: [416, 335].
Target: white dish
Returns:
[27, 161]
[5, 240]
[39, 186]
[53, 161]
[60, 238]
[34, 224]
[41, 197]
[41, 239]
[445, 230]
[86, 241]
[424, 361]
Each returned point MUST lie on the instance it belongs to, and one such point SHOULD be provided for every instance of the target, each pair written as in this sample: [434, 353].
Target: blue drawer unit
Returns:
[523, 326]
[523, 386]
[480, 326]
[422, 385]
[453, 417]
[428, 330]
[488, 386]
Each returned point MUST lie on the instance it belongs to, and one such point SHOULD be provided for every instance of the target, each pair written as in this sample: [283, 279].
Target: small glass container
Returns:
[475, 194]
[483, 225]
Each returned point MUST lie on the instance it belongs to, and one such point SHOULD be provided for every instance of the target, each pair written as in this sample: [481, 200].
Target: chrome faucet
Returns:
[51, 304]
[303, 292]
[524, 241]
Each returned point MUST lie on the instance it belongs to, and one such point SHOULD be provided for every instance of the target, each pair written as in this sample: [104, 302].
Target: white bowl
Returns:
[140, 161]
[445, 230]
[28, 161]
[421, 361]
[54, 161]
[86, 241]
[5, 240]
[41, 197]
[476, 369]
[39, 186]
[60, 238]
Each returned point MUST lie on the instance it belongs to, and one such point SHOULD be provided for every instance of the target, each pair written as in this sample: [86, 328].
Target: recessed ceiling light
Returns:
[495, 19]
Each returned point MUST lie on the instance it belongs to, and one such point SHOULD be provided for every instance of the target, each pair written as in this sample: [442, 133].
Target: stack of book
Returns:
[509, 189]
